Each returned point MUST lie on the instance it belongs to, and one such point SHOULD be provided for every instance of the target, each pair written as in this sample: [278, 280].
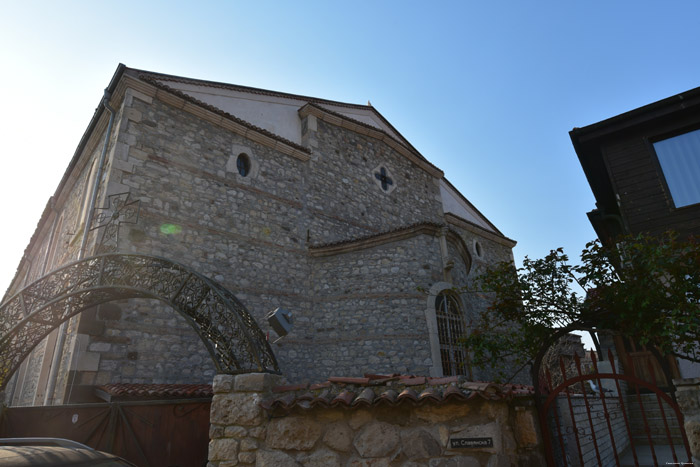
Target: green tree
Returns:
[645, 288]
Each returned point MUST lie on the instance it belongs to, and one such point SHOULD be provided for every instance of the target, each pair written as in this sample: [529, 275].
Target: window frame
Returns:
[651, 142]
[437, 346]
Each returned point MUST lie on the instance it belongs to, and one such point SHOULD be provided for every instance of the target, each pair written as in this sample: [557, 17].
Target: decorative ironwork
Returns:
[231, 335]
[119, 210]
[450, 324]
[591, 416]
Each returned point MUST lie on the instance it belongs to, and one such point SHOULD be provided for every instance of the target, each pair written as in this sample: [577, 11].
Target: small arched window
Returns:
[243, 164]
[451, 329]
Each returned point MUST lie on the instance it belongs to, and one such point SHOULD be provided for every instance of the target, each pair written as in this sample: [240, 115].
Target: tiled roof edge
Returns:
[403, 147]
[223, 113]
[249, 89]
[464, 198]
[392, 390]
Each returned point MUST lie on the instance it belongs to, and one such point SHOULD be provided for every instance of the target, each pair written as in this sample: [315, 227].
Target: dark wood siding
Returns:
[645, 204]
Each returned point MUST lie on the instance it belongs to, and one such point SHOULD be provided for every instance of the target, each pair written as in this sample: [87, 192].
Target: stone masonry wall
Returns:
[354, 312]
[688, 395]
[342, 188]
[242, 433]
[367, 313]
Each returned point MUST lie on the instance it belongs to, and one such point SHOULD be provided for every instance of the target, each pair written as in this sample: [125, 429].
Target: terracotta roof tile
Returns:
[290, 387]
[325, 384]
[345, 398]
[366, 397]
[408, 394]
[127, 391]
[414, 381]
[388, 390]
[340, 379]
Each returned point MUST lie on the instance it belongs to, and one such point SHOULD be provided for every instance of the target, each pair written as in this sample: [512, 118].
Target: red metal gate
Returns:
[147, 433]
[607, 418]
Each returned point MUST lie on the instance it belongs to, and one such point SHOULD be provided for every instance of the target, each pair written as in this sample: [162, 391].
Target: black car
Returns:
[21, 452]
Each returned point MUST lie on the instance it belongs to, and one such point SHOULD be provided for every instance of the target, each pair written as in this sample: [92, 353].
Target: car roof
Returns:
[34, 456]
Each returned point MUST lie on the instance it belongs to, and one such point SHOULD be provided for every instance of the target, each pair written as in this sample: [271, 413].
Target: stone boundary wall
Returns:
[406, 434]
[688, 396]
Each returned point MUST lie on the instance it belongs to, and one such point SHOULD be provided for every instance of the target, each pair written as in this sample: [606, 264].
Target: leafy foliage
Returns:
[645, 288]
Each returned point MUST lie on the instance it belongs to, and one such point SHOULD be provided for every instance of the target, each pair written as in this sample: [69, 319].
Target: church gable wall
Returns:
[195, 208]
[346, 200]
[354, 312]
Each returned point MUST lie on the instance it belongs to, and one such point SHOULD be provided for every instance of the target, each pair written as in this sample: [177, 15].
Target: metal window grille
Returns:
[450, 330]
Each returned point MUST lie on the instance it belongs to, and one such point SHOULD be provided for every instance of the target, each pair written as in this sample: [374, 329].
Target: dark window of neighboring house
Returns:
[679, 158]
[450, 330]
[243, 164]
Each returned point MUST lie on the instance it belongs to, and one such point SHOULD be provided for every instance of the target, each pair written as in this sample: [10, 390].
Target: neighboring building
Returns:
[322, 208]
[643, 167]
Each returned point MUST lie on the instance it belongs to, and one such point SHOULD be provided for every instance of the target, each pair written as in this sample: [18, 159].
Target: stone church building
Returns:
[318, 207]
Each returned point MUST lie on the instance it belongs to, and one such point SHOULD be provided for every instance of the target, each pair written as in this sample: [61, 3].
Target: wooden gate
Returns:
[599, 417]
[148, 433]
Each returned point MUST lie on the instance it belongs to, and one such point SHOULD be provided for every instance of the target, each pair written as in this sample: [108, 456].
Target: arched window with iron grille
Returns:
[451, 329]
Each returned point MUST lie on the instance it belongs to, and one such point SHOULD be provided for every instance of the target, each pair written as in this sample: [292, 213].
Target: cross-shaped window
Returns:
[384, 178]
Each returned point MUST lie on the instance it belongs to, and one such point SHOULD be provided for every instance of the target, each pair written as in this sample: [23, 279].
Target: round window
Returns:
[243, 164]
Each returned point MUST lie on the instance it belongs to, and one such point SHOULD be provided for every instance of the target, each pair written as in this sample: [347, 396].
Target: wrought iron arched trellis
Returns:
[230, 333]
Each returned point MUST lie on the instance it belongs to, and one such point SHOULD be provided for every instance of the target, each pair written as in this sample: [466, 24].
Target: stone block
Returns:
[274, 459]
[375, 462]
[256, 382]
[297, 433]
[419, 444]
[236, 409]
[457, 461]
[235, 432]
[359, 418]
[257, 432]
[223, 449]
[526, 431]
[377, 439]
[247, 457]
[338, 436]
[216, 431]
[139, 95]
[321, 458]
[88, 361]
[248, 444]
[132, 114]
[692, 430]
[443, 413]
[222, 383]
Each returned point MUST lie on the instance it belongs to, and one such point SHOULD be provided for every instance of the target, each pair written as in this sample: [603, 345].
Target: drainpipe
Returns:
[58, 353]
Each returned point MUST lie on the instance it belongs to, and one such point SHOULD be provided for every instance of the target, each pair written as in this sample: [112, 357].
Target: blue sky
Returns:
[487, 91]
